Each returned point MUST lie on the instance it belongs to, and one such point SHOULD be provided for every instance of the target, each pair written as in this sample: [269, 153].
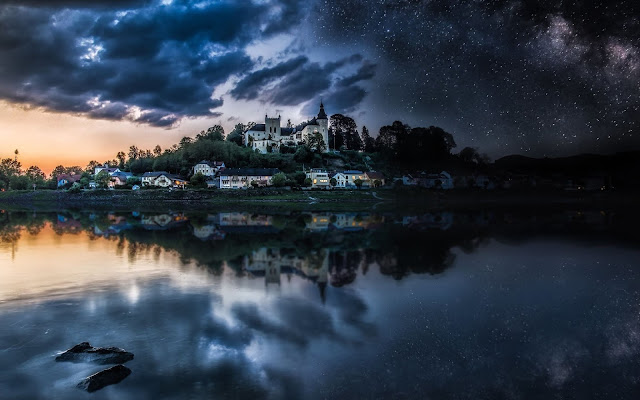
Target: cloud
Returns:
[298, 80]
[102, 61]
[251, 86]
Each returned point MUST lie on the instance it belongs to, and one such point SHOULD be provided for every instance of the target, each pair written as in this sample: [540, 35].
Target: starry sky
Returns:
[539, 78]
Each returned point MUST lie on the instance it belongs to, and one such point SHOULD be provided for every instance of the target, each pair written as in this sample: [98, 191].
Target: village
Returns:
[215, 175]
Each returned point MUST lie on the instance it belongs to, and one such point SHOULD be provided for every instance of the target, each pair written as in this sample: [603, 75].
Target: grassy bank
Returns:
[286, 200]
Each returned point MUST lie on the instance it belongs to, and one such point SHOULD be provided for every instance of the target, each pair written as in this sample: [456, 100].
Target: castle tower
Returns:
[323, 122]
[272, 127]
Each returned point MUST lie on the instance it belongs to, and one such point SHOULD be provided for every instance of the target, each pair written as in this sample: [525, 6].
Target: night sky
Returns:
[535, 78]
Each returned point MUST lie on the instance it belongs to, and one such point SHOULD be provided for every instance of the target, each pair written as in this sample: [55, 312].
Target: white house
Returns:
[208, 168]
[106, 168]
[241, 178]
[319, 178]
[341, 180]
[352, 176]
[119, 179]
[268, 137]
[162, 179]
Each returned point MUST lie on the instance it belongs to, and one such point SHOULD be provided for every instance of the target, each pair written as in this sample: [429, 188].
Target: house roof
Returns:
[352, 171]
[249, 172]
[211, 163]
[155, 174]
[257, 128]
[69, 177]
[374, 175]
[121, 174]
[287, 131]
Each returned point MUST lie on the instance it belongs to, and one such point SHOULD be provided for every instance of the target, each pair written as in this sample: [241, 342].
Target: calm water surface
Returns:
[324, 305]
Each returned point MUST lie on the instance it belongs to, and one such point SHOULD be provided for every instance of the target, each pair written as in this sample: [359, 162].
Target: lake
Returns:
[480, 304]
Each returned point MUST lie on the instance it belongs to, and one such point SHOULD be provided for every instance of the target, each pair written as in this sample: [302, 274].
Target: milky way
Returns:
[537, 78]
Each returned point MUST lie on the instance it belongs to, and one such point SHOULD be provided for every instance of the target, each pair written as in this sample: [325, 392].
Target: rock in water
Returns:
[84, 352]
[109, 376]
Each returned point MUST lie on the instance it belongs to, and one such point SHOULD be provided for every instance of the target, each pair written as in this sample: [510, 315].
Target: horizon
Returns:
[84, 80]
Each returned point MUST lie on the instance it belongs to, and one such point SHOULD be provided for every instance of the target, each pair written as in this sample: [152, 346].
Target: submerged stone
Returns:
[109, 376]
[84, 352]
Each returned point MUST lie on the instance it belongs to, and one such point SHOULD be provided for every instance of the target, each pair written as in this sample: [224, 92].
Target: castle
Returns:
[270, 136]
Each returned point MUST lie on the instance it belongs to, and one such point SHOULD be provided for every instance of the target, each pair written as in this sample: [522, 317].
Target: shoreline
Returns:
[381, 200]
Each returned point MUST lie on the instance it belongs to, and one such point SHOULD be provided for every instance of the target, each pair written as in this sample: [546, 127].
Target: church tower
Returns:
[323, 122]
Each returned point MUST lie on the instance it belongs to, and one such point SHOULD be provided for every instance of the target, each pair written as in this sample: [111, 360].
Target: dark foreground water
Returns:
[322, 305]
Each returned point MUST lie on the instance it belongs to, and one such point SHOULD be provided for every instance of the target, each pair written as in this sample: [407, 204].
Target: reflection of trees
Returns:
[422, 247]
[344, 266]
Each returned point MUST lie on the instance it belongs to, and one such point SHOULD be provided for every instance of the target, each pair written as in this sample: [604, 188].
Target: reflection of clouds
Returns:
[181, 341]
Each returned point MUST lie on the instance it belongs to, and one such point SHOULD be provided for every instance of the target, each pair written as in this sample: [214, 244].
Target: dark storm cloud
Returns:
[250, 86]
[164, 60]
[115, 4]
[299, 80]
[366, 72]
[512, 75]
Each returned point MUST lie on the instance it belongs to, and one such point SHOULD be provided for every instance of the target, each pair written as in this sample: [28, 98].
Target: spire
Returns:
[322, 114]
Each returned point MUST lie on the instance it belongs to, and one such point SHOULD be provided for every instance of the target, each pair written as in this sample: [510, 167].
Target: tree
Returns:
[254, 184]
[185, 141]
[358, 182]
[279, 179]
[307, 182]
[102, 179]
[345, 128]
[133, 153]
[389, 134]
[377, 183]
[303, 154]
[157, 151]
[333, 182]
[92, 166]
[368, 142]
[57, 171]
[19, 182]
[35, 175]
[236, 135]
[198, 181]
[468, 154]
[215, 132]
[315, 142]
[121, 156]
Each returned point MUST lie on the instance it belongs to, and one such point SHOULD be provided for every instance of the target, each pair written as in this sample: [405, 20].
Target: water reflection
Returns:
[488, 304]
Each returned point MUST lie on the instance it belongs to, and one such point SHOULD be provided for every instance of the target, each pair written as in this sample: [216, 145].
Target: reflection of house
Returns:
[271, 263]
[435, 220]
[64, 179]
[162, 221]
[205, 232]
[208, 168]
[319, 178]
[238, 178]
[342, 221]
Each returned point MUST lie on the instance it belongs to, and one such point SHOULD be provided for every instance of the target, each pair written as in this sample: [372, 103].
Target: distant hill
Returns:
[624, 164]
